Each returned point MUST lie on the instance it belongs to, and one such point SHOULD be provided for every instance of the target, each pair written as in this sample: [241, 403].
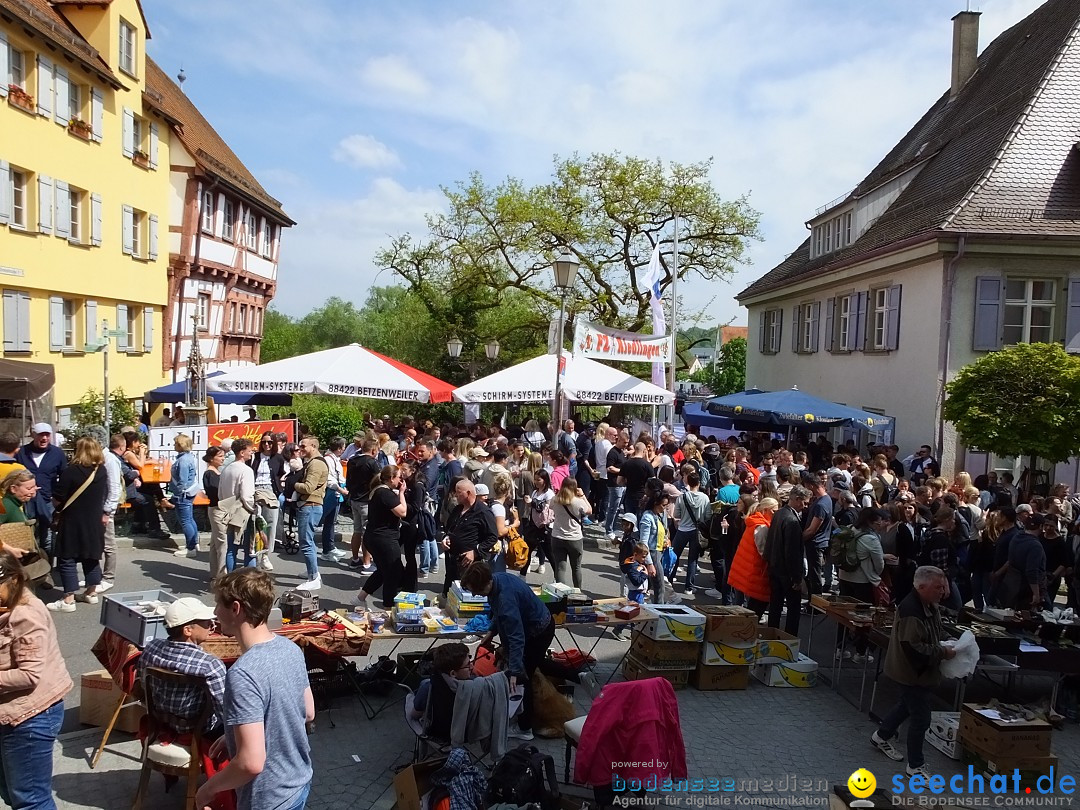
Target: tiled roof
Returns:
[202, 141]
[46, 21]
[1035, 190]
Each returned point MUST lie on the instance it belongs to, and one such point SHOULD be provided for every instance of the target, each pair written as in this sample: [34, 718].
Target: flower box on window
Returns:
[17, 97]
[140, 158]
[80, 129]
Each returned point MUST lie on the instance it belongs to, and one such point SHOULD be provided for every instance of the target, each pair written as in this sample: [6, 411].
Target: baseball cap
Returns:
[478, 452]
[1038, 520]
[187, 610]
[629, 517]
[42, 427]
[481, 489]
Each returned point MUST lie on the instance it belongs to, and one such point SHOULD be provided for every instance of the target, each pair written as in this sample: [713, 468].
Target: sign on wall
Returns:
[602, 343]
[161, 442]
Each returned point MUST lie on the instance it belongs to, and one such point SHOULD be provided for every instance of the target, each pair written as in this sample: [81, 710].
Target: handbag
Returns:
[21, 536]
[58, 514]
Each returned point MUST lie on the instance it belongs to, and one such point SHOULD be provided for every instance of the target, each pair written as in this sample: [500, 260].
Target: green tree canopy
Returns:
[610, 210]
[729, 376]
[1021, 401]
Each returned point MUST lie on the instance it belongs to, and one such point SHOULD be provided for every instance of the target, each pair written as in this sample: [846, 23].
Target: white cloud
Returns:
[366, 152]
[393, 75]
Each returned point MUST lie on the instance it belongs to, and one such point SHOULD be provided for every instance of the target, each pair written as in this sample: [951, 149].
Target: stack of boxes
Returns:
[667, 647]
[463, 605]
[778, 661]
[729, 648]
[996, 745]
[944, 733]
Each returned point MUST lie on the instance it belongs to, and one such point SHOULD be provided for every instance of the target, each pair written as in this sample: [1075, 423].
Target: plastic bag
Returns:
[668, 560]
[967, 656]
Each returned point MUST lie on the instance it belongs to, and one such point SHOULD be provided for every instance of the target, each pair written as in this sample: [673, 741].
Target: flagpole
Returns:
[674, 318]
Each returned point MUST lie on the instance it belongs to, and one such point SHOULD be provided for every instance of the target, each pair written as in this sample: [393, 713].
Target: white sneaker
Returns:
[104, 585]
[334, 555]
[541, 569]
[862, 659]
[264, 561]
[311, 584]
[519, 734]
[89, 598]
[712, 593]
[887, 748]
[183, 552]
[920, 771]
[839, 654]
[60, 606]
[534, 565]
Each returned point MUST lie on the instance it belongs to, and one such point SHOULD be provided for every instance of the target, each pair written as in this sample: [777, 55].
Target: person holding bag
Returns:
[79, 522]
[541, 516]
[567, 543]
[17, 537]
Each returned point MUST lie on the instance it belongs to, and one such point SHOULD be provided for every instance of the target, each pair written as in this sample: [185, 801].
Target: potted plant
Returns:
[140, 158]
[17, 97]
[79, 128]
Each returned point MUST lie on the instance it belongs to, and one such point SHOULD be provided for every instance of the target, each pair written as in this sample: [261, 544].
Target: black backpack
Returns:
[524, 776]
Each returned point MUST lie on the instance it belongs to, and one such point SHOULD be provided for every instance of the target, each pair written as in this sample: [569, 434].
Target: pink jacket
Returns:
[632, 731]
[33, 675]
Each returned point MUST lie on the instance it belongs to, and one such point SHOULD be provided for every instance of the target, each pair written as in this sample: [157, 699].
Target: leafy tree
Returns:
[329, 416]
[1020, 401]
[610, 210]
[281, 336]
[91, 411]
[730, 374]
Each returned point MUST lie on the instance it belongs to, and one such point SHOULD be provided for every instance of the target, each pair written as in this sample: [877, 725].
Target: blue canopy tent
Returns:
[177, 392]
[694, 413]
[792, 408]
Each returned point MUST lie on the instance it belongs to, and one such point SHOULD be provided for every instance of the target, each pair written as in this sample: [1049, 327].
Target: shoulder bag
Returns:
[57, 520]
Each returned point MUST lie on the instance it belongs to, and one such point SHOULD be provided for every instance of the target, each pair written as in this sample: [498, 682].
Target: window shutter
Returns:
[219, 215]
[5, 181]
[857, 335]
[91, 323]
[95, 219]
[45, 86]
[148, 329]
[796, 328]
[153, 145]
[129, 230]
[815, 321]
[97, 114]
[23, 321]
[153, 236]
[1072, 317]
[45, 204]
[276, 232]
[779, 330]
[762, 332]
[63, 209]
[830, 320]
[5, 67]
[56, 324]
[122, 326]
[129, 133]
[892, 318]
[263, 248]
[11, 321]
[989, 312]
[63, 96]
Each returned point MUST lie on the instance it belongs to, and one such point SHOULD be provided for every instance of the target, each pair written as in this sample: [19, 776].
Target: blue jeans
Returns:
[914, 706]
[186, 513]
[307, 518]
[301, 799]
[681, 541]
[26, 759]
[980, 589]
[611, 516]
[329, 518]
[429, 556]
[234, 544]
[69, 575]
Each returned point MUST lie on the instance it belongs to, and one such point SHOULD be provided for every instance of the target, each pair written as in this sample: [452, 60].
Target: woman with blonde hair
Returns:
[184, 485]
[79, 498]
[567, 544]
[506, 517]
[749, 571]
[960, 484]
[16, 490]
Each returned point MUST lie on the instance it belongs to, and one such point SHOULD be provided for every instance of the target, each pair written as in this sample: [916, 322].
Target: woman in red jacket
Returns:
[749, 571]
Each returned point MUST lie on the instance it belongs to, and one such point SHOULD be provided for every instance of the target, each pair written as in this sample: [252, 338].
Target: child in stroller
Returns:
[294, 470]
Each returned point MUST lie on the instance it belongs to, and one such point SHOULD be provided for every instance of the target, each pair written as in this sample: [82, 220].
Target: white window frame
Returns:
[75, 97]
[133, 316]
[202, 311]
[126, 48]
[844, 318]
[138, 234]
[1028, 304]
[268, 239]
[138, 129]
[252, 228]
[806, 327]
[208, 212]
[772, 331]
[20, 198]
[17, 67]
[879, 318]
[71, 323]
[76, 197]
[228, 220]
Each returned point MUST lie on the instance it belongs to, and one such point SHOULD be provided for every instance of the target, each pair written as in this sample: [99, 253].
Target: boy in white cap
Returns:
[188, 623]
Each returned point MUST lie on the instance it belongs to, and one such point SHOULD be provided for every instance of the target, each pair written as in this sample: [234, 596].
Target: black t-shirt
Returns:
[616, 457]
[358, 474]
[896, 467]
[473, 530]
[635, 471]
[382, 521]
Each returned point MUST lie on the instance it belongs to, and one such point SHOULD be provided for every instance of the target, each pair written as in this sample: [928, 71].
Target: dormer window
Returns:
[831, 234]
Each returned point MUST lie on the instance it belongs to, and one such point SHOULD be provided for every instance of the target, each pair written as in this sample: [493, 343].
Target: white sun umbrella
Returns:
[350, 371]
[585, 381]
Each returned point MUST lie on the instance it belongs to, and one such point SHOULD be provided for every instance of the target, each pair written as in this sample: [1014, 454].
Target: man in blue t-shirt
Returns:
[817, 530]
[267, 698]
[728, 493]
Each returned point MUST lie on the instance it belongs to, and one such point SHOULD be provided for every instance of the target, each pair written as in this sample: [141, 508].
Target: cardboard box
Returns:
[1030, 768]
[664, 654]
[729, 624]
[950, 748]
[945, 725]
[800, 674]
[634, 670]
[995, 739]
[828, 600]
[715, 679]
[719, 653]
[412, 783]
[98, 697]
[674, 623]
[774, 646]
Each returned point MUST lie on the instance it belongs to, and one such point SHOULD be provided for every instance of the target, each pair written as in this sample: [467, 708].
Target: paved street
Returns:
[757, 734]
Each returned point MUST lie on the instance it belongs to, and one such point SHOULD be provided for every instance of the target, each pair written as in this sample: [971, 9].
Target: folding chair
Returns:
[425, 745]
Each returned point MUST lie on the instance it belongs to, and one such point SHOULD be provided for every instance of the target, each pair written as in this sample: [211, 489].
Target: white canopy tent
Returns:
[585, 380]
[351, 371]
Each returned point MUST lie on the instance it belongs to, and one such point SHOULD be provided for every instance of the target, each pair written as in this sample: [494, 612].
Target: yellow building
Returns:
[84, 194]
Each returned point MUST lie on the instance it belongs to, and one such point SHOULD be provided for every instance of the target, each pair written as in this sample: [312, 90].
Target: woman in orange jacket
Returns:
[749, 571]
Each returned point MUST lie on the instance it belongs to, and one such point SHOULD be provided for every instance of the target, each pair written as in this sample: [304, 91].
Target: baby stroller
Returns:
[290, 538]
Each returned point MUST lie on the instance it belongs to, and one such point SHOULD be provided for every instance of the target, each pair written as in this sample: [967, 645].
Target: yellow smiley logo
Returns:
[861, 783]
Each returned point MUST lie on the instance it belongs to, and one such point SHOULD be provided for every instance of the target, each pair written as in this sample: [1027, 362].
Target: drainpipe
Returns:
[180, 280]
[946, 338]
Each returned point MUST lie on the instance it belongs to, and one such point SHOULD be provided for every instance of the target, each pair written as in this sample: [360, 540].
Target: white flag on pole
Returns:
[653, 276]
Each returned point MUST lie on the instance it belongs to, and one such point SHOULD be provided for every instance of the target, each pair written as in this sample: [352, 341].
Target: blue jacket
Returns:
[517, 614]
[185, 476]
[47, 473]
[648, 528]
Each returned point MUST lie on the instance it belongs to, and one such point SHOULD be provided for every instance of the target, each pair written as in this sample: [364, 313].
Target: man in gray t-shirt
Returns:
[268, 701]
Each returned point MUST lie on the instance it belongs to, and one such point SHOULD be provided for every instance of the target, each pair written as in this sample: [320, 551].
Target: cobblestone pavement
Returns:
[749, 736]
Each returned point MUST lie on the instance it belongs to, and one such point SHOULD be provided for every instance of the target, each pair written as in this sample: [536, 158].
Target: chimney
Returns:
[965, 49]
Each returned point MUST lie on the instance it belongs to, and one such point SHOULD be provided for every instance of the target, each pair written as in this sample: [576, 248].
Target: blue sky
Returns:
[354, 113]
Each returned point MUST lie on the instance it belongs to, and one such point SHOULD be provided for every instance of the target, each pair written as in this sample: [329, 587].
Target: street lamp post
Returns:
[565, 268]
[455, 345]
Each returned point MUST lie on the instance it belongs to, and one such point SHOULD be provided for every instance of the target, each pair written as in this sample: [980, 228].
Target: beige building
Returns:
[965, 238]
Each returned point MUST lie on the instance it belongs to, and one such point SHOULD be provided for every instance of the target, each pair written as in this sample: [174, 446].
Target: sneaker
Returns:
[886, 747]
[333, 555]
[534, 566]
[60, 606]
[541, 569]
[311, 584]
[104, 585]
[919, 771]
[586, 521]
[841, 654]
[367, 569]
[354, 562]
[421, 574]
[520, 733]
[712, 593]
[264, 561]
[859, 658]
[184, 552]
[89, 598]
[82, 583]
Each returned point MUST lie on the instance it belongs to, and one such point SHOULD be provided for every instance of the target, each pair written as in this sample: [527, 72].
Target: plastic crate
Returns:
[120, 613]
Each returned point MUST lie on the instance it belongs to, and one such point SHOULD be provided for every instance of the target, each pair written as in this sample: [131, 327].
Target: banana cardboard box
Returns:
[721, 653]
[673, 623]
[774, 646]
[801, 674]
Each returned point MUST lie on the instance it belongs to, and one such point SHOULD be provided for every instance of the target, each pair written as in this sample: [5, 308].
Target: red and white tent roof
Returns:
[350, 371]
